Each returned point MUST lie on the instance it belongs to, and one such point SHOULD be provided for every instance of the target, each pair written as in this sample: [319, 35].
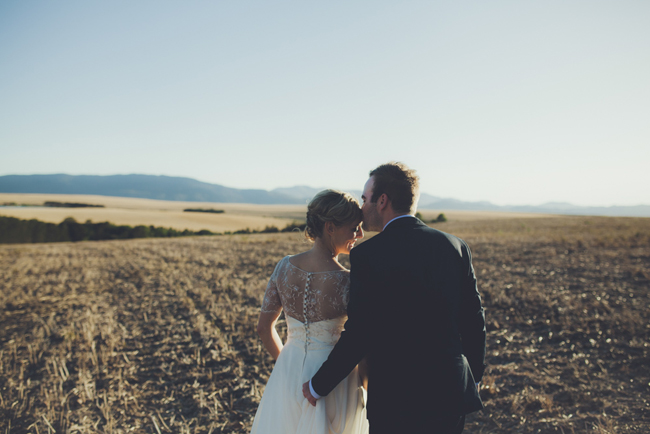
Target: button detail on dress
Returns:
[304, 310]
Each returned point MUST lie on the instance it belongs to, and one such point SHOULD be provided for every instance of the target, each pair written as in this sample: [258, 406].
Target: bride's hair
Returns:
[333, 206]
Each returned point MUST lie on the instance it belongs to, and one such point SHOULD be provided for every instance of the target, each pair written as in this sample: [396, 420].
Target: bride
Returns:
[313, 289]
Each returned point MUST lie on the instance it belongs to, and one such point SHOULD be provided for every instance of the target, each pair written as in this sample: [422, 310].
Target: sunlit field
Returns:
[169, 214]
[162, 213]
[158, 335]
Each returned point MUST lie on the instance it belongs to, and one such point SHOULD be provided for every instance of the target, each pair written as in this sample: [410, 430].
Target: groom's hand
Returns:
[307, 394]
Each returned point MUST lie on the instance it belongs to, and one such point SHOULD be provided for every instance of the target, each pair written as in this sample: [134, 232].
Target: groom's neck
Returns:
[388, 217]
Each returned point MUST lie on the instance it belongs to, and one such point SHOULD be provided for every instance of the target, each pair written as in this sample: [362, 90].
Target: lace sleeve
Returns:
[272, 302]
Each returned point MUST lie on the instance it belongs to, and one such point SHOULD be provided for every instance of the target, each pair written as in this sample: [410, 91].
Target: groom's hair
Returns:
[399, 183]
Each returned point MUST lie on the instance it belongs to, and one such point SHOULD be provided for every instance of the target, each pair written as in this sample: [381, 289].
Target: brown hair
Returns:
[330, 206]
[399, 183]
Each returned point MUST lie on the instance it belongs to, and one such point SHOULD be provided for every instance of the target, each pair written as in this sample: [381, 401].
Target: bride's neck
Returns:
[323, 251]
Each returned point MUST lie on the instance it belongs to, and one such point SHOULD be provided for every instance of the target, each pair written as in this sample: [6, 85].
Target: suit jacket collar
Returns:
[404, 222]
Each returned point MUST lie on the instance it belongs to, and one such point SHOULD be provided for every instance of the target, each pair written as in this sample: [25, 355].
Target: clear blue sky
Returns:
[507, 101]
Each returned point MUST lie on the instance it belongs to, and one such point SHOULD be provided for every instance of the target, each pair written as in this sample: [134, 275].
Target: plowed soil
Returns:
[158, 335]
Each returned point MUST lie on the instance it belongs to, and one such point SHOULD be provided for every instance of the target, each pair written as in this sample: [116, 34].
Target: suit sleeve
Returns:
[355, 340]
[472, 320]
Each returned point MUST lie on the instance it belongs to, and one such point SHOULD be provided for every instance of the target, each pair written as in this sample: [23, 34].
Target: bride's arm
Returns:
[363, 372]
[268, 333]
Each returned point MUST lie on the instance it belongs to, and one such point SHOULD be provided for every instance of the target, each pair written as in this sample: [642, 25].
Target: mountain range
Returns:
[191, 190]
[140, 186]
[430, 202]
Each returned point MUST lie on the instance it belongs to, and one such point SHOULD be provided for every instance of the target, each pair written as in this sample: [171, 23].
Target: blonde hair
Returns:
[331, 206]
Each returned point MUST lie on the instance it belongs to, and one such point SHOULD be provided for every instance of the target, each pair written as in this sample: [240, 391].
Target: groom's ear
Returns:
[382, 202]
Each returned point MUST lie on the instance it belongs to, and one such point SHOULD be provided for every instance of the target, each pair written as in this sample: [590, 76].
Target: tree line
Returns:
[209, 210]
[17, 231]
[13, 230]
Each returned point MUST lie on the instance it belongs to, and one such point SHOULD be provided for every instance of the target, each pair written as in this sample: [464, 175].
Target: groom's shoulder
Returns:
[441, 237]
[433, 232]
[368, 247]
[368, 244]
[441, 234]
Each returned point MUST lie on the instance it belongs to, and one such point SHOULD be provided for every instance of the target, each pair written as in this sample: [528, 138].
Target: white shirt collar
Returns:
[398, 217]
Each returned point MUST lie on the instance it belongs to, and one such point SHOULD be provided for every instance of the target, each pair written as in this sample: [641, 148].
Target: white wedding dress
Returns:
[315, 308]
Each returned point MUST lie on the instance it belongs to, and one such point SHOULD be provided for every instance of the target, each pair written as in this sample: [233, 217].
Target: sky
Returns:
[512, 102]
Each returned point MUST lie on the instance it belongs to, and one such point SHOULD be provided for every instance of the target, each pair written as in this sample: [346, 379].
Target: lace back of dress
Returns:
[307, 296]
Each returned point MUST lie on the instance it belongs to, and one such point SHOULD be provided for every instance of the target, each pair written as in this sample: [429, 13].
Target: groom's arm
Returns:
[471, 320]
[356, 338]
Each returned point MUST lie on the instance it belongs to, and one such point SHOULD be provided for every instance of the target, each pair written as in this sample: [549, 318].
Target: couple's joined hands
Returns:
[307, 394]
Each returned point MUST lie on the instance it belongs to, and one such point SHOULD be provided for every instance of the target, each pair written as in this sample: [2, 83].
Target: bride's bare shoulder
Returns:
[309, 263]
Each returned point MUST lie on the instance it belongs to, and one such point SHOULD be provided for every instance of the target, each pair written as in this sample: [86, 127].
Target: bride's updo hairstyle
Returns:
[330, 206]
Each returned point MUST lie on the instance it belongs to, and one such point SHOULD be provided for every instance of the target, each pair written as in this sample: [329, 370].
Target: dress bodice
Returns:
[317, 335]
[308, 297]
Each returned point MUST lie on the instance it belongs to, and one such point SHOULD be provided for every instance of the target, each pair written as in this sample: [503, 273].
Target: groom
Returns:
[414, 312]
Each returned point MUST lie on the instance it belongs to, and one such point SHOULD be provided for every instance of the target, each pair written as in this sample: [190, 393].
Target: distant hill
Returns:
[548, 208]
[305, 193]
[191, 190]
[141, 186]
[302, 193]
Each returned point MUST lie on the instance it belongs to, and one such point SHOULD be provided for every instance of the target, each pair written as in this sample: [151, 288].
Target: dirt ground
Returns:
[158, 335]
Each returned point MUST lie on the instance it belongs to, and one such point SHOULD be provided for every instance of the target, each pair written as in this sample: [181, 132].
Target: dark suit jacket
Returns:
[416, 314]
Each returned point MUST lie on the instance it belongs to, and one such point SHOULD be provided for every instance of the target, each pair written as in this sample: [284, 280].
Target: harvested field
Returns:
[158, 335]
[163, 213]
[166, 213]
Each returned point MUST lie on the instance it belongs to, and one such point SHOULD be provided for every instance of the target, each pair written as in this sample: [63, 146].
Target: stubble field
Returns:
[158, 335]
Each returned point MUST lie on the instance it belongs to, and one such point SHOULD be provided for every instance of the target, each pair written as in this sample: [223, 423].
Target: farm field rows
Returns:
[158, 335]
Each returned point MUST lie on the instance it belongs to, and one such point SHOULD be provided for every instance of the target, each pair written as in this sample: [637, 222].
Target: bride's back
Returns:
[307, 292]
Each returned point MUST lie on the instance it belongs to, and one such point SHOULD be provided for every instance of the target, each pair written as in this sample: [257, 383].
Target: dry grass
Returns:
[112, 336]
[281, 211]
[567, 305]
[134, 212]
[158, 335]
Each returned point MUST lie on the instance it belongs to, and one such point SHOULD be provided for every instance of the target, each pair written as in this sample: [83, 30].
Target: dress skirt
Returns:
[283, 408]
